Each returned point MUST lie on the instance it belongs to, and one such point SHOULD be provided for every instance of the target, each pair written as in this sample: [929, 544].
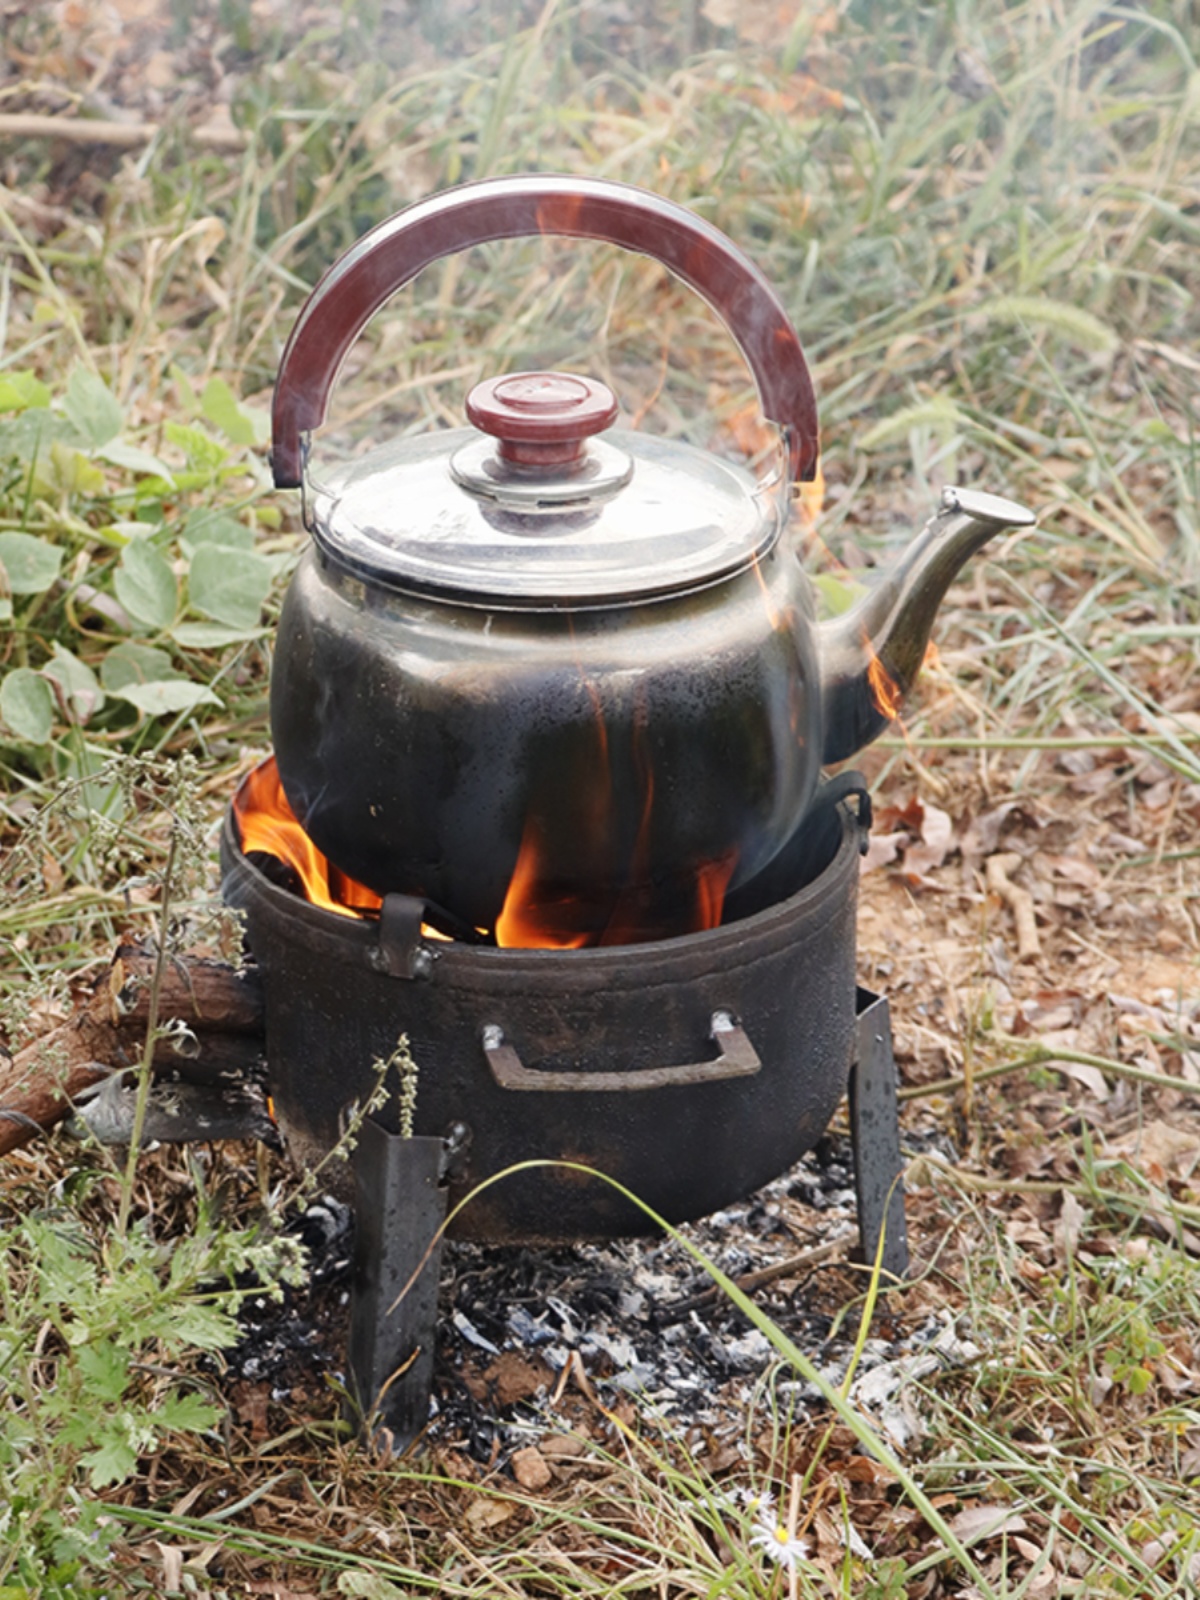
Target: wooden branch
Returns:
[209, 995]
[1019, 901]
[221, 1007]
[122, 135]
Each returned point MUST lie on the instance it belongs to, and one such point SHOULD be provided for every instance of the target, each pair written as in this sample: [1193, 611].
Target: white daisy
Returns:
[757, 1502]
[744, 1502]
[772, 1536]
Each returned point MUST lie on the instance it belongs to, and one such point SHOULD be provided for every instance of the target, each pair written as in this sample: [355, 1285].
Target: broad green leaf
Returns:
[1160, 432]
[131, 663]
[118, 533]
[360, 1584]
[229, 586]
[166, 696]
[201, 1327]
[838, 594]
[105, 1367]
[21, 391]
[78, 687]
[218, 405]
[189, 399]
[31, 564]
[24, 437]
[202, 451]
[186, 1413]
[93, 408]
[145, 585]
[211, 635]
[134, 459]
[27, 705]
[111, 1463]
[217, 527]
[64, 470]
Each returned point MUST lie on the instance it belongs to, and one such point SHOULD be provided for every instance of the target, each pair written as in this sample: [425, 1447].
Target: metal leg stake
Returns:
[401, 1204]
[875, 1124]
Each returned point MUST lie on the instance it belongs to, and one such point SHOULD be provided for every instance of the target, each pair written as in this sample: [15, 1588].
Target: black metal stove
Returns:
[690, 1071]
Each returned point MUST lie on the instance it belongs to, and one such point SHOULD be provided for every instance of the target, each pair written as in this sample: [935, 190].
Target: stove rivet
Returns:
[493, 1036]
[422, 963]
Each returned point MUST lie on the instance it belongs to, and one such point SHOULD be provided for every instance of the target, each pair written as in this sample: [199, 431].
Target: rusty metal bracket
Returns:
[875, 1126]
[401, 1199]
[400, 950]
[736, 1058]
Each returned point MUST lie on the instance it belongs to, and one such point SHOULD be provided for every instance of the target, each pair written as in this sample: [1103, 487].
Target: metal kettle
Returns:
[563, 680]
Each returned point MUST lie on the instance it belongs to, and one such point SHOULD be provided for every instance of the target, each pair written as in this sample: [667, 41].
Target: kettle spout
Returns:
[870, 656]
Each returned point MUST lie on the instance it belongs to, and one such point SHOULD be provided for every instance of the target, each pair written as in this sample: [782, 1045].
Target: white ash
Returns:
[624, 1309]
[635, 1314]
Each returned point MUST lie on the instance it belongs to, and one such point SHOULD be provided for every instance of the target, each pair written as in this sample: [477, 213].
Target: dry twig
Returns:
[121, 135]
[1019, 901]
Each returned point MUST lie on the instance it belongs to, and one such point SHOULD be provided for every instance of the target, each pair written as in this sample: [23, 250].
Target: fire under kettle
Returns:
[547, 655]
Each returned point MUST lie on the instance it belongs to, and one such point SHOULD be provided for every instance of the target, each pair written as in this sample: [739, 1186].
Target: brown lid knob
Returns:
[541, 418]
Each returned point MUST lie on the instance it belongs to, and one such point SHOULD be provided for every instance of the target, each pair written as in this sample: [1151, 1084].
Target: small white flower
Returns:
[744, 1501]
[758, 1502]
[770, 1535]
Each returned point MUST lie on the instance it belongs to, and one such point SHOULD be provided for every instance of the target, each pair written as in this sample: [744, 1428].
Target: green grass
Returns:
[983, 219]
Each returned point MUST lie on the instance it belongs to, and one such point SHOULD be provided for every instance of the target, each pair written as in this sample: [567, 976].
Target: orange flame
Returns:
[885, 691]
[533, 917]
[266, 822]
[537, 914]
[810, 499]
[711, 883]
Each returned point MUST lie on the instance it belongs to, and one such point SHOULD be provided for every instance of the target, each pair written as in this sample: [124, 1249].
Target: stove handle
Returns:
[736, 1058]
[392, 254]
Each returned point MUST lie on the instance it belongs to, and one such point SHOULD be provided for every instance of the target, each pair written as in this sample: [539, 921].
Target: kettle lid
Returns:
[530, 508]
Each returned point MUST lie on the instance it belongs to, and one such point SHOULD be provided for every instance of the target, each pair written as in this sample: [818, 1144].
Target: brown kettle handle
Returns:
[388, 257]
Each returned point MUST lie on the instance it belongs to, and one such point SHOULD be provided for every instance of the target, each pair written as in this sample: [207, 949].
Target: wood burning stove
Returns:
[689, 1070]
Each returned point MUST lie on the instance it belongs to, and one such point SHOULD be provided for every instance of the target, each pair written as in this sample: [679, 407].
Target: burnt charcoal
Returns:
[326, 1229]
[176, 1112]
[277, 872]
[301, 1331]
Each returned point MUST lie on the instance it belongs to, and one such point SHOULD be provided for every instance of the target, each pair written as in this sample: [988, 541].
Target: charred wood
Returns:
[213, 1015]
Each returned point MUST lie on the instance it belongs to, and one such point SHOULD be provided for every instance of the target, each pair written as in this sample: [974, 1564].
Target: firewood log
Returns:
[221, 1008]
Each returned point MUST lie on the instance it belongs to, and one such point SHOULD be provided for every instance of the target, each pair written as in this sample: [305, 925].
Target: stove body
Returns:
[688, 1071]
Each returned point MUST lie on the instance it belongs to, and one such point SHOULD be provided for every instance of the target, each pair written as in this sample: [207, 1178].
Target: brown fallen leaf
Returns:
[485, 1513]
[1019, 901]
[987, 1522]
[935, 844]
[172, 1565]
[564, 1446]
[1068, 1227]
[513, 1377]
[1161, 1151]
[530, 1469]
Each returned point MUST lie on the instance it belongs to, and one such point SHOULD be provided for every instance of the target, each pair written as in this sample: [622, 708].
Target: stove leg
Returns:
[401, 1204]
[875, 1125]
